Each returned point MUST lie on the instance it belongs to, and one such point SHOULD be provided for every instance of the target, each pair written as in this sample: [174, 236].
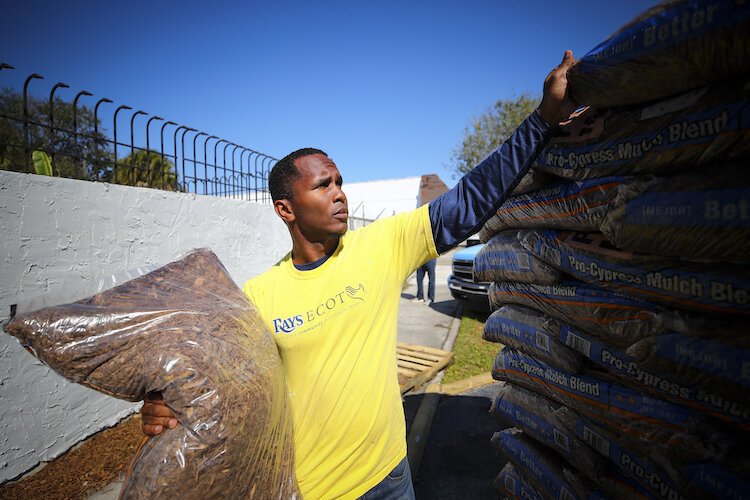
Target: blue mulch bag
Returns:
[535, 415]
[564, 204]
[701, 215]
[546, 472]
[504, 259]
[510, 483]
[701, 128]
[712, 362]
[618, 407]
[553, 477]
[704, 373]
[534, 333]
[615, 318]
[662, 470]
[698, 373]
[670, 48]
[533, 180]
[695, 286]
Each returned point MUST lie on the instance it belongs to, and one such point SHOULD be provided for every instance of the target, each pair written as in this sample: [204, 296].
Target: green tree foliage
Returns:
[74, 152]
[146, 169]
[489, 130]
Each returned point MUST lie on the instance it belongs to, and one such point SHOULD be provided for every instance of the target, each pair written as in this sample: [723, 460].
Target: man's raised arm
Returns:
[463, 210]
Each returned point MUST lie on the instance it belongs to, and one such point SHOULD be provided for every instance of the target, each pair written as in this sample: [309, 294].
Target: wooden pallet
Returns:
[418, 364]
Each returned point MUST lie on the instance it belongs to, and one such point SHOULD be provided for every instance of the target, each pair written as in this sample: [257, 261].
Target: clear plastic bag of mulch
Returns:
[187, 331]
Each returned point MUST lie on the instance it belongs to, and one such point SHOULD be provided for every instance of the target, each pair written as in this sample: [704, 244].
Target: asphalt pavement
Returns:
[458, 461]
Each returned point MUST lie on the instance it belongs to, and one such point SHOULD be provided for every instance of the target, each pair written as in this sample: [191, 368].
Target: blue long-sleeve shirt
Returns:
[462, 211]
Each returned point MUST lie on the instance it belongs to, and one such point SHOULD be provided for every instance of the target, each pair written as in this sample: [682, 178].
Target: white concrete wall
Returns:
[58, 237]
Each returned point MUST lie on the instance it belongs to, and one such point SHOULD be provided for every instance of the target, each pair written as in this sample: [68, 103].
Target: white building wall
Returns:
[59, 236]
[382, 198]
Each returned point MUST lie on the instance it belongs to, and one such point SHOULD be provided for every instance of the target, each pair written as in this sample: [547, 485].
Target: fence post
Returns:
[114, 172]
[96, 130]
[148, 149]
[205, 163]
[195, 160]
[224, 167]
[75, 122]
[174, 142]
[26, 131]
[234, 172]
[58, 85]
[182, 152]
[216, 166]
[133, 175]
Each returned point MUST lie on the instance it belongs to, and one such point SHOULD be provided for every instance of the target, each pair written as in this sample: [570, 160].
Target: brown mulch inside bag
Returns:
[84, 469]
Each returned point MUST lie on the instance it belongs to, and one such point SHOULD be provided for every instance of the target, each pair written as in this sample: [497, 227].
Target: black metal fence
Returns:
[68, 139]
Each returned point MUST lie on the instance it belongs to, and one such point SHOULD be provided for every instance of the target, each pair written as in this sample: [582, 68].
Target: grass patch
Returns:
[471, 354]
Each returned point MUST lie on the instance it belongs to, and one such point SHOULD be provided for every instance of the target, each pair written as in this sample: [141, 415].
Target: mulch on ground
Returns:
[84, 469]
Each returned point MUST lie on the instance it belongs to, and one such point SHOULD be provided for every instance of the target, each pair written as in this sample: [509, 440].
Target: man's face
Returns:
[319, 204]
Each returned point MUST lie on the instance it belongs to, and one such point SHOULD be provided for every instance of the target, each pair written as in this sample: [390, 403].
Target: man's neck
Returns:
[306, 252]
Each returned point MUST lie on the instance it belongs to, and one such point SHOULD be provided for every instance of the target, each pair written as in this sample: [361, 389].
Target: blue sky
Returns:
[386, 88]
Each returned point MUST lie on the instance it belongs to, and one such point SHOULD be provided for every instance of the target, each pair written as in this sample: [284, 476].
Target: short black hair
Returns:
[285, 172]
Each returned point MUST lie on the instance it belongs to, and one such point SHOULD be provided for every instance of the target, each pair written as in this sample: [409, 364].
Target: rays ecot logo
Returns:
[350, 295]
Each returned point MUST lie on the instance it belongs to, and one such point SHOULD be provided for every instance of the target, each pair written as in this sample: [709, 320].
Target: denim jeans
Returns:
[396, 485]
[429, 268]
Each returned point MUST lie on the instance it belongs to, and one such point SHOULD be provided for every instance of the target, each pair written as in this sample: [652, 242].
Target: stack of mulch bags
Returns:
[622, 287]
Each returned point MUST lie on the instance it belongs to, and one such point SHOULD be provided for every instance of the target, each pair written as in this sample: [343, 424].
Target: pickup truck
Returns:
[461, 283]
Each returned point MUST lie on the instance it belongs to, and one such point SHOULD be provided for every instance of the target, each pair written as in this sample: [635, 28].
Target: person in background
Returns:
[429, 268]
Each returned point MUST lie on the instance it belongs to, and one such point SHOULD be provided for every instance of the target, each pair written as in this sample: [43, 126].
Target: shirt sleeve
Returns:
[402, 242]
[415, 243]
[462, 211]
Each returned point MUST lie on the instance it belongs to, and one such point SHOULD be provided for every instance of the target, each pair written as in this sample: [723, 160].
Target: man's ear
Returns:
[285, 210]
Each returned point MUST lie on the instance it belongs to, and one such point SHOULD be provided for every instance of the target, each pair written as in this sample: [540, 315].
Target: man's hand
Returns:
[156, 416]
[556, 104]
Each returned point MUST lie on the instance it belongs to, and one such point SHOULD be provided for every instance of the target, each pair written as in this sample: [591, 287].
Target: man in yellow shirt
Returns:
[332, 305]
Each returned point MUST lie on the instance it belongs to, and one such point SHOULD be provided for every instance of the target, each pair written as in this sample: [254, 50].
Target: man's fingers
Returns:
[153, 426]
[556, 104]
[152, 430]
[567, 61]
[156, 416]
[170, 422]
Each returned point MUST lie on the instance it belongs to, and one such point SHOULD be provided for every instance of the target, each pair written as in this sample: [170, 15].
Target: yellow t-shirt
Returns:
[335, 327]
